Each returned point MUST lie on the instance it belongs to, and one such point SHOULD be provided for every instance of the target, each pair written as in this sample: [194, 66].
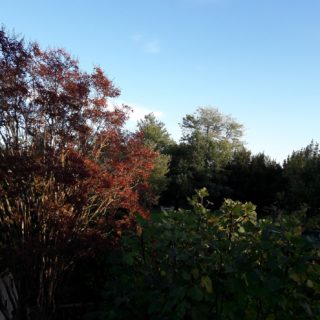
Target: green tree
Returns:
[211, 124]
[212, 137]
[156, 136]
[155, 133]
[302, 174]
[208, 142]
[256, 178]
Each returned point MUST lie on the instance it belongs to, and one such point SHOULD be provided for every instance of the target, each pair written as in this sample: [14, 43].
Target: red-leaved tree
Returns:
[67, 168]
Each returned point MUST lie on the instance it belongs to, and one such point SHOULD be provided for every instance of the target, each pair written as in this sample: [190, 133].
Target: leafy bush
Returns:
[199, 264]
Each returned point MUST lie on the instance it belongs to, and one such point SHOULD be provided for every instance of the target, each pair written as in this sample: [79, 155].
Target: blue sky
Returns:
[258, 60]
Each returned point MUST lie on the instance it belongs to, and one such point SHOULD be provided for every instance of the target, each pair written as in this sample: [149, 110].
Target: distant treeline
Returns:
[211, 154]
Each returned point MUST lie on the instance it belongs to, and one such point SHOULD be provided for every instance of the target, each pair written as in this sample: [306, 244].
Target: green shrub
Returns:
[199, 264]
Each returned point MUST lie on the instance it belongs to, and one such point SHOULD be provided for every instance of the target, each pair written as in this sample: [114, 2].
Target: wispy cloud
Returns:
[136, 38]
[146, 45]
[152, 47]
[138, 112]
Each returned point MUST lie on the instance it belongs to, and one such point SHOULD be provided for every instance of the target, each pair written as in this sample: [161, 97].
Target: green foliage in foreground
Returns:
[223, 265]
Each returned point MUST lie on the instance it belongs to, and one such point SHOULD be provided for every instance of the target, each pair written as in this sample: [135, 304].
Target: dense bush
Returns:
[199, 264]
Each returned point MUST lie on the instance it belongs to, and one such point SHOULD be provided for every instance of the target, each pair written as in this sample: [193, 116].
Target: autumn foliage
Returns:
[70, 175]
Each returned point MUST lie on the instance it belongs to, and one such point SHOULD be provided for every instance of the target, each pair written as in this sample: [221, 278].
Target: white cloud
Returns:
[139, 112]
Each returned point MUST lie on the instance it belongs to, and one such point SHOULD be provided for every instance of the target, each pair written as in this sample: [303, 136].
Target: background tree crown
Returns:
[155, 132]
[213, 125]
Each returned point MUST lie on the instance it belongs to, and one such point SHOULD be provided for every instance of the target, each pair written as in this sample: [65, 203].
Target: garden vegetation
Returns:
[81, 230]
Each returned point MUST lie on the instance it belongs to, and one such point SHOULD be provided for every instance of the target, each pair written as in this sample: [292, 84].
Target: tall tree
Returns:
[155, 133]
[208, 142]
[156, 136]
[213, 125]
[256, 178]
[302, 173]
[66, 168]
[217, 135]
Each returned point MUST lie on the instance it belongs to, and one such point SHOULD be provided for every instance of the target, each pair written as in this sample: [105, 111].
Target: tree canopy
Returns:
[213, 125]
[67, 167]
[302, 174]
[209, 140]
[155, 133]
[156, 136]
